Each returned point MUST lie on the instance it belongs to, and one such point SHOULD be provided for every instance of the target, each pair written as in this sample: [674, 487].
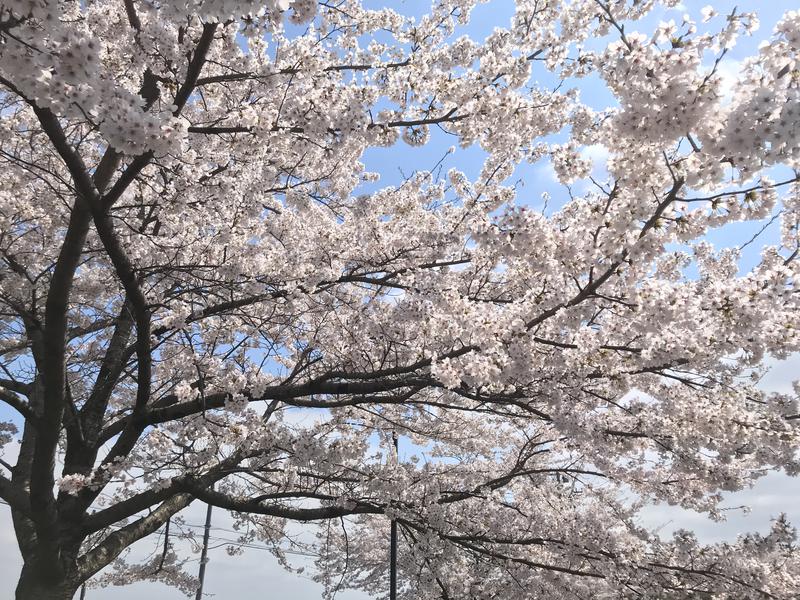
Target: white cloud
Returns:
[728, 69]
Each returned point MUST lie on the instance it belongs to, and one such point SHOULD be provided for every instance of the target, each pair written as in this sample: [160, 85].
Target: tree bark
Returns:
[33, 584]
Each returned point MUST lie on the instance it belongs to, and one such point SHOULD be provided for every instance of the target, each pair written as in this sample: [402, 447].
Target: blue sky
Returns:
[256, 574]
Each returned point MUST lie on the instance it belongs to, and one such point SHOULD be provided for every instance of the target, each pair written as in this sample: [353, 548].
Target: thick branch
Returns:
[111, 547]
[283, 511]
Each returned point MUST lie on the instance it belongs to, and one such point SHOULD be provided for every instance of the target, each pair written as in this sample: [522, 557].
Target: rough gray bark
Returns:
[36, 583]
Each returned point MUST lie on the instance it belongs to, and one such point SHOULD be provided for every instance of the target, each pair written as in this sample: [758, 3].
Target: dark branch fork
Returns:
[30, 491]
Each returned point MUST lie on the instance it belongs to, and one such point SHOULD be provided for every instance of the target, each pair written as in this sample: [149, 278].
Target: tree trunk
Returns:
[35, 585]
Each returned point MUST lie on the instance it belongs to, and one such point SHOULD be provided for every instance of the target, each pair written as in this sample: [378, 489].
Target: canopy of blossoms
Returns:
[192, 253]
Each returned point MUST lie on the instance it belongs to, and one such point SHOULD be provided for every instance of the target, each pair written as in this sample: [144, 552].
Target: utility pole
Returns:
[204, 555]
[393, 542]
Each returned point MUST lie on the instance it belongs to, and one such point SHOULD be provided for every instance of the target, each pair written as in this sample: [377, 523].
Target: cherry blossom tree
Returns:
[193, 254]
